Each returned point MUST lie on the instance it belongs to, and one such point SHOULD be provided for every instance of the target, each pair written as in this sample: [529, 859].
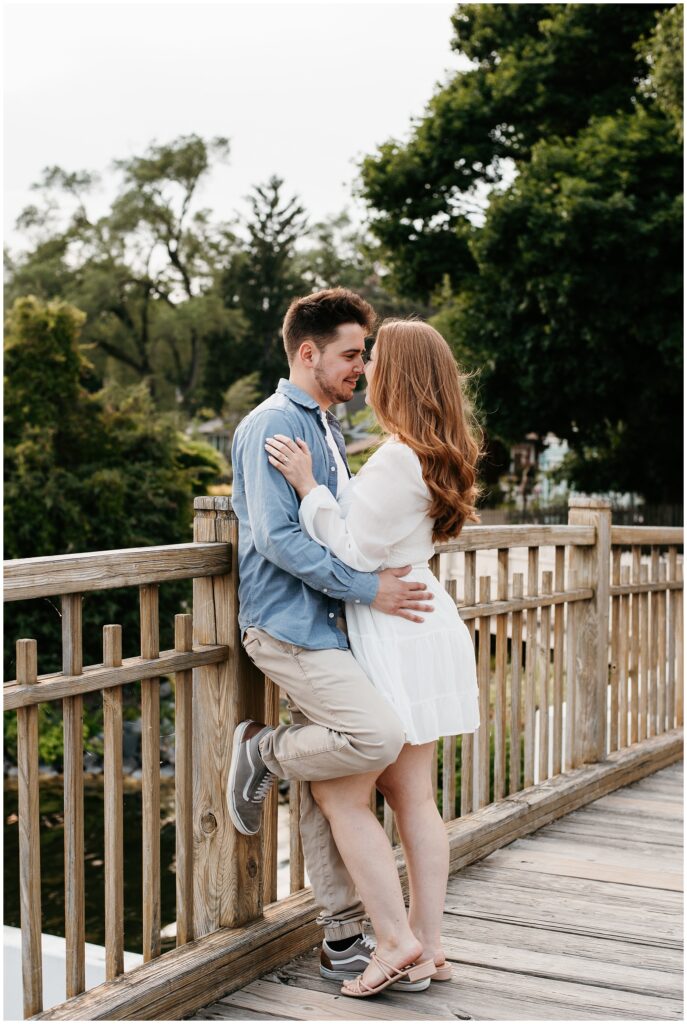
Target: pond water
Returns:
[52, 859]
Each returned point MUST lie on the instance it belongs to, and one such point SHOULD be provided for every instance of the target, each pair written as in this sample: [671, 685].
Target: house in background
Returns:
[216, 433]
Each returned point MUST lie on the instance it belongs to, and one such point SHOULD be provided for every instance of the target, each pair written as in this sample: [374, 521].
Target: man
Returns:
[290, 593]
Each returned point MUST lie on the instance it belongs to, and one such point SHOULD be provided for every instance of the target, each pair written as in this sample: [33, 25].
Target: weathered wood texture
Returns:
[591, 566]
[559, 644]
[531, 666]
[646, 535]
[99, 677]
[478, 538]
[26, 578]
[448, 747]
[270, 814]
[150, 782]
[514, 774]
[527, 603]
[228, 867]
[114, 808]
[500, 669]
[229, 959]
[183, 777]
[468, 789]
[296, 861]
[553, 927]
[483, 683]
[74, 872]
[29, 836]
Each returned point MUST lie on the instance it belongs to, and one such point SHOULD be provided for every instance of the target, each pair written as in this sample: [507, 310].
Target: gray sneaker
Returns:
[346, 964]
[249, 777]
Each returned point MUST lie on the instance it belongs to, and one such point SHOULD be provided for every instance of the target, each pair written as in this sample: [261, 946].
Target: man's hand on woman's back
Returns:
[397, 597]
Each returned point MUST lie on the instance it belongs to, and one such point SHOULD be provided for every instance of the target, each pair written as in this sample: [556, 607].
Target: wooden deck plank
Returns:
[670, 788]
[615, 833]
[559, 886]
[572, 916]
[557, 963]
[597, 852]
[630, 821]
[485, 993]
[580, 920]
[650, 961]
[295, 1003]
[541, 860]
[656, 808]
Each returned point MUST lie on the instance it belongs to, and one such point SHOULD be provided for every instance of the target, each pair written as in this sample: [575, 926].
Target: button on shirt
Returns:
[289, 585]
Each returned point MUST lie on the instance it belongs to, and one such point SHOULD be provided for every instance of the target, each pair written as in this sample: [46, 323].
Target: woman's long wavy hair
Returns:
[418, 393]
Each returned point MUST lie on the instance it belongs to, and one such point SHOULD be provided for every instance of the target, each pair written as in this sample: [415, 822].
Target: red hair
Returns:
[418, 394]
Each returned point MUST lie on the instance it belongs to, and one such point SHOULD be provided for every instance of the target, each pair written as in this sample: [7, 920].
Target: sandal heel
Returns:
[443, 973]
[419, 971]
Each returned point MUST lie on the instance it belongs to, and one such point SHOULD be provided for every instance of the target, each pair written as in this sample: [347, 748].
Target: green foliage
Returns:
[579, 282]
[663, 53]
[262, 277]
[564, 292]
[240, 399]
[145, 273]
[539, 70]
[100, 470]
[342, 255]
[87, 471]
[173, 297]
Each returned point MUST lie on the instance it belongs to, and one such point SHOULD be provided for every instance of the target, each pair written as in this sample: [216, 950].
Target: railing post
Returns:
[590, 567]
[228, 867]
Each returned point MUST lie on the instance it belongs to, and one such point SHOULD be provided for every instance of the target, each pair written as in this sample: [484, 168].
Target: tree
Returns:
[340, 254]
[145, 273]
[539, 70]
[575, 314]
[566, 292]
[87, 471]
[262, 279]
[663, 53]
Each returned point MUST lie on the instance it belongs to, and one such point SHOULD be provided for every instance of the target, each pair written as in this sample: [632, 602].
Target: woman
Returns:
[417, 489]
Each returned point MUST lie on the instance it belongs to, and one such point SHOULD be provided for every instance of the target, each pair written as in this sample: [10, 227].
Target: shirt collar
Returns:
[285, 387]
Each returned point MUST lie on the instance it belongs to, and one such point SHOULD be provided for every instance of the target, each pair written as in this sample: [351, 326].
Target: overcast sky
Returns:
[301, 90]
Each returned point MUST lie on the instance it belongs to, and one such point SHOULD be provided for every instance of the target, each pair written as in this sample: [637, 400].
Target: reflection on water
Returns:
[52, 860]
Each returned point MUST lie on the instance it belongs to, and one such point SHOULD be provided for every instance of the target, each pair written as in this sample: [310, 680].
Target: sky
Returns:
[301, 90]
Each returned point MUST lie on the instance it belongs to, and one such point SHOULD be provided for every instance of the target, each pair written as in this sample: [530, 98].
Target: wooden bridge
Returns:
[583, 920]
[580, 671]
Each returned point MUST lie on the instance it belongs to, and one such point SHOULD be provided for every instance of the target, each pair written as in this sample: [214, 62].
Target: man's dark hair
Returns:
[318, 316]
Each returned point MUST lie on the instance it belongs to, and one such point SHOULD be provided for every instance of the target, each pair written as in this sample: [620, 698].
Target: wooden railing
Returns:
[580, 691]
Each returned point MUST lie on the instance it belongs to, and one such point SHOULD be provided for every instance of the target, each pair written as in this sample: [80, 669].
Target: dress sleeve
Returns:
[388, 501]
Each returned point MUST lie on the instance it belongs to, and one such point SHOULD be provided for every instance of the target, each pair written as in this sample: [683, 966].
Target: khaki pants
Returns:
[341, 726]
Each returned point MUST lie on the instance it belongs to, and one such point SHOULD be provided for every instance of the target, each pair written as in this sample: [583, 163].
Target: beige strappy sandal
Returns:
[443, 972]
[359, 989]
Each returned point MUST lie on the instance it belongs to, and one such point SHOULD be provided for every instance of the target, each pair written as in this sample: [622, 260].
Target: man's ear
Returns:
[306, 353]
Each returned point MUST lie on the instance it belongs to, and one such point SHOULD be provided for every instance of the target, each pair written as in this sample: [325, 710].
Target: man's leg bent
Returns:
[348, 728]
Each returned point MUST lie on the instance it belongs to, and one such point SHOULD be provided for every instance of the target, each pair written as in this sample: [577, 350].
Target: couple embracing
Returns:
[339, 608]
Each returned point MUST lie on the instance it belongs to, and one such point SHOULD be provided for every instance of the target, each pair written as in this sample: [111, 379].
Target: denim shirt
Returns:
[289, 585]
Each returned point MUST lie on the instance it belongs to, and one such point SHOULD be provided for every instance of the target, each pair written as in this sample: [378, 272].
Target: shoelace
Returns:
[368, 942]
[264, 788]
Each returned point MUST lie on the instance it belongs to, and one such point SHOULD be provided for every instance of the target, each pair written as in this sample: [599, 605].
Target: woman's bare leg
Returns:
[407, 785]
[367, 854]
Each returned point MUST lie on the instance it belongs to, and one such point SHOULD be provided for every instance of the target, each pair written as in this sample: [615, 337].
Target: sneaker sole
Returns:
[407, 986]
[231, 807]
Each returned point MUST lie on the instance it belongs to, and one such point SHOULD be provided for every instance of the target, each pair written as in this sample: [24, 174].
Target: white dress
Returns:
[425, 670]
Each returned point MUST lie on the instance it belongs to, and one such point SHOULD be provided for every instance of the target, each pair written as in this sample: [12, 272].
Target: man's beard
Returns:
[328, 389]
